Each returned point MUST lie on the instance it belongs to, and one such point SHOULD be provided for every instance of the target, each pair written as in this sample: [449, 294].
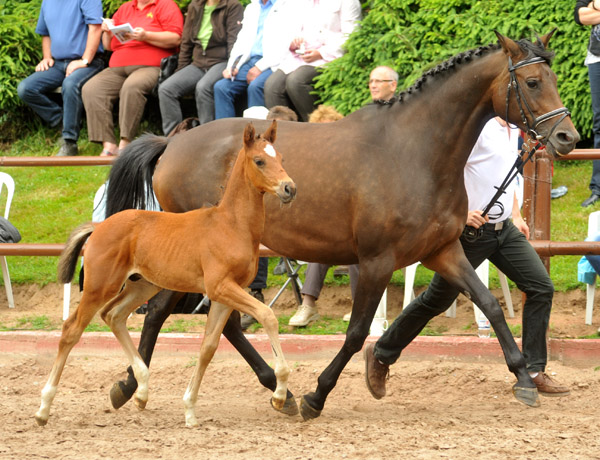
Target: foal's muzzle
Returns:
[286, 191]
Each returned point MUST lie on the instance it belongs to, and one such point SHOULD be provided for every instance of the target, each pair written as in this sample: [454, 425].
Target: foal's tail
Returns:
[68, 259]
[130, 178]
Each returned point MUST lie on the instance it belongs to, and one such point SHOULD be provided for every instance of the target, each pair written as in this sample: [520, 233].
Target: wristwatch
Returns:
[85, 61]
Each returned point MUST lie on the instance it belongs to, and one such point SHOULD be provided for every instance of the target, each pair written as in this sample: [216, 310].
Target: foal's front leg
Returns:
[217, 317]
[232, 294]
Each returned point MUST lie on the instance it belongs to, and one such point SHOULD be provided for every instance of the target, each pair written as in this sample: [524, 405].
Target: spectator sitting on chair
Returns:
[383, 82]
[70, 31]
[315, 273]
[504, 242]
[132, 71]
[260, 281]
[209, 32]
[260, 46]
[322, 30]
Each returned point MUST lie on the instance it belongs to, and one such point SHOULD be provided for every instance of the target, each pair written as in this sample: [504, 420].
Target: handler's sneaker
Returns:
[376, 373]
[549, 387]
[304, 316]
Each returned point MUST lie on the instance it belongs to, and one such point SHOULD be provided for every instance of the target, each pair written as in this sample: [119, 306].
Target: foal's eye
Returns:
[259, 162]
[532, 84]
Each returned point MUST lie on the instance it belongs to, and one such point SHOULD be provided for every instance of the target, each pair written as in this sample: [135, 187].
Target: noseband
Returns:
[563, 112]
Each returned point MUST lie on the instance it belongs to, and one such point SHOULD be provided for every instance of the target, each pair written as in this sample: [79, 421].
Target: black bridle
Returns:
[472, 234]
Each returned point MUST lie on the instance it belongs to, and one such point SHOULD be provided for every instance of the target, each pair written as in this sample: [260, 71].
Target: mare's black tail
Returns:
[130, 178]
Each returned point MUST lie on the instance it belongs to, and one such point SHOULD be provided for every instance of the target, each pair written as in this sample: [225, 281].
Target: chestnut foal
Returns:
[134, 254]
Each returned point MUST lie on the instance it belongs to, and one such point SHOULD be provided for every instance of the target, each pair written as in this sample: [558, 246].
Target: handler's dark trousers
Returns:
[508, 250]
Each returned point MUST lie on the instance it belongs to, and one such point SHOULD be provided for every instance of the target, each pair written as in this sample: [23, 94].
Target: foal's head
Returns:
[263, 164]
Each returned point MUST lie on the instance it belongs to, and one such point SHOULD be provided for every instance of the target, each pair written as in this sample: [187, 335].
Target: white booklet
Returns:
[120, 31]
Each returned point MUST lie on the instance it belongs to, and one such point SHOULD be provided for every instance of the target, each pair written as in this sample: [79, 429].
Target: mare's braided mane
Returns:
[532, 49]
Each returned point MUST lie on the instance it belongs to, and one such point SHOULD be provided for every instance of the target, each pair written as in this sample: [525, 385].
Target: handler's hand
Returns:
[522, 226]
[475, 220]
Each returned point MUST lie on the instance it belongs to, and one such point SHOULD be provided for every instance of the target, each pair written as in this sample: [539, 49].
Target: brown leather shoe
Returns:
[376, 373]
[549, 387]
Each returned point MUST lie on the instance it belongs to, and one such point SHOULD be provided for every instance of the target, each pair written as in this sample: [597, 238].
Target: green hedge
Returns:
[409, 35]
[414, 35]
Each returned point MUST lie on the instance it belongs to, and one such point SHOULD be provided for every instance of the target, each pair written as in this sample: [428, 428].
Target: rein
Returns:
[472, 234]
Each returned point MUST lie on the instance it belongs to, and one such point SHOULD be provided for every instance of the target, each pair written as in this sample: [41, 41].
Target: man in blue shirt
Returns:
[260, 46]
[71, 31]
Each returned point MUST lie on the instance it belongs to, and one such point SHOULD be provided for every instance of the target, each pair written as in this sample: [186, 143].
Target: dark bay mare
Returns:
[382, 187]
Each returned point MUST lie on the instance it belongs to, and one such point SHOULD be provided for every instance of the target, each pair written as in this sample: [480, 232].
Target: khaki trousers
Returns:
[130, 84]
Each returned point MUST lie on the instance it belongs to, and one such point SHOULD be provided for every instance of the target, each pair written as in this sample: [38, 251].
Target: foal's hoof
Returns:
[307, 412]
[527, 396]
[120, 394]
[141, 405]
[290, 407]
[40, 421]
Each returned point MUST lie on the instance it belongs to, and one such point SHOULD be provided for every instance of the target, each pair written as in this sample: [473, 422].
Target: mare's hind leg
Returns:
[217, 316]
[71, 333]
[230, 293]
[159, 308]
[115, 314]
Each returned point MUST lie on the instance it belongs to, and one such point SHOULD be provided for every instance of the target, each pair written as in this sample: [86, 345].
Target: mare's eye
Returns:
[259, 162]
[532, 84]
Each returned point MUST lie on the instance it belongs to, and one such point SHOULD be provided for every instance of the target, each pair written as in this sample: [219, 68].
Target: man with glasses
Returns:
[382, 83]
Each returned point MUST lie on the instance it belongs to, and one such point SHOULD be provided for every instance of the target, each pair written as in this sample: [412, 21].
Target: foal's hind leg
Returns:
[71, 333]
[115, 314]
[215, 322]
[159, 308]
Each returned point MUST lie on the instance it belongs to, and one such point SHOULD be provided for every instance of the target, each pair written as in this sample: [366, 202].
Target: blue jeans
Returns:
[594, 77]
[35, 88]
[226, 91]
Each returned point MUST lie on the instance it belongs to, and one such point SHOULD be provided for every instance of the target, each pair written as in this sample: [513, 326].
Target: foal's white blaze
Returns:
[269, 150]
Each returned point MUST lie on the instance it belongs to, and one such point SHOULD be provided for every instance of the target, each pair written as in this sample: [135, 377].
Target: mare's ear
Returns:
[271, 134]
[509, 46]
[544, 39]
[249, 135]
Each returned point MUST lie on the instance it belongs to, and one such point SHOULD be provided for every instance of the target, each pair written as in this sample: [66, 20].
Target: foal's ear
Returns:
[271, 134]
[544, 39]
[510, 47]
[249, 134]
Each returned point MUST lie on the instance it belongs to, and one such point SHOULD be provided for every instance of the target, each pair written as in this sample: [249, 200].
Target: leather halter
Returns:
[563, 112]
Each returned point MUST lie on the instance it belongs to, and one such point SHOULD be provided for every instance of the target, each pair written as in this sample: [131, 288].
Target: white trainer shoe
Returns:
[346, 317]
[304, 316]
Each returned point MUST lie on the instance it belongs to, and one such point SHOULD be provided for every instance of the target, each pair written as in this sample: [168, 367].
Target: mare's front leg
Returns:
[373, 278]
[159, 308]
[217, 316]
[454, 267]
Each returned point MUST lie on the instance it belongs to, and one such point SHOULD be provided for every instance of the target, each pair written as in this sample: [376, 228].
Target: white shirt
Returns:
[492, 157]
[324, 25]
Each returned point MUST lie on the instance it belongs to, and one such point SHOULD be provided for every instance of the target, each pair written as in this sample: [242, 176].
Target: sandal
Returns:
[107, 153]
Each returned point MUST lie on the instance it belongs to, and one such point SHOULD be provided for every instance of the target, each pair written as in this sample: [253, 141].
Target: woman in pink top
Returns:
[133, 69]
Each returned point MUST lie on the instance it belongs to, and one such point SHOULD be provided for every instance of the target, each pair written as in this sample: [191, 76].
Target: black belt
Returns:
[496, 226]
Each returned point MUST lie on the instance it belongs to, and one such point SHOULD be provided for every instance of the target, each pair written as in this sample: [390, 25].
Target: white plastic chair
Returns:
[482, 271]
[8, 181]
[593, 230]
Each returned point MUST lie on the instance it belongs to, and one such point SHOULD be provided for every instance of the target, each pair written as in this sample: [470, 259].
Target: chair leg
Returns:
[409, 282]
[66, 300]
[7, 285]
[589, 305]
[506, 293]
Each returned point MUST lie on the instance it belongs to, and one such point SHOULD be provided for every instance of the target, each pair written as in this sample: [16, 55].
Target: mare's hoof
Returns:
[307, 412]
[290, 407]
[40, 421]
[119, 394]
[527, 396]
